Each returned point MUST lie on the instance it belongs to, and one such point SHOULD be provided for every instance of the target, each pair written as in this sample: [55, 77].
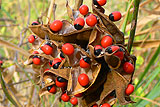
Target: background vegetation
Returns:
[17, 82]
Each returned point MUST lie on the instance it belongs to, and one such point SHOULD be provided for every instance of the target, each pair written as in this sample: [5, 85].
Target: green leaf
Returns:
[148, 67]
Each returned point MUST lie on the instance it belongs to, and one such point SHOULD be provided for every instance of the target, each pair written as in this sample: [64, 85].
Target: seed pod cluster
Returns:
[83, 61]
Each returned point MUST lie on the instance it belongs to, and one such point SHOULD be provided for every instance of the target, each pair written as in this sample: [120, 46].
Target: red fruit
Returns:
[79, 23]
[115, 16]
[105, 105]
[74, 101]
[56, 26]
[60, 84]
[129, 89]
[97, 50]
[91, 20]
[106, 41]
[65, 97]
[85, 62]
[31, 38]
[35, 23]
[51, 89]
[83, 9]
[36, 60]
[47, 49]
[79, 95]
[68, 49]
[94, 105]
[128, 67]
[83, 79]
[35, 52]
[55, 63]
[46, 70]
[99, 2]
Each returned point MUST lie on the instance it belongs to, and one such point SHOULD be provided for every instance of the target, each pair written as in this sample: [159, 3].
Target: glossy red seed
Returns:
[84, 64]
[91, 20]
[68, 49]
[129, 89]
[47, 49]
[83, 79]
[128, 67]
[56, 25]
[61, 84]
[65, 97]
[35, 52]
[119, 54]
[83, 9]
[35, 23]
[31, 38]
[74, 101]
[115, 16]
[79, 95]
[94, 105]
[56, 60]
[101, 2]
[1, 62]
[36, 61]
[97, 50]
[106, 41]
[79, 23]
[52, 90]
[105, 105]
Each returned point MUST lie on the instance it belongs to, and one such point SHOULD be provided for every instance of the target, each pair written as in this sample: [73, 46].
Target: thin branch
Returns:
[50, 10]
[133, 25]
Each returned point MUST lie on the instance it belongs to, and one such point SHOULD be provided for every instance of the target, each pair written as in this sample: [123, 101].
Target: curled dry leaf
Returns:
[110, 26]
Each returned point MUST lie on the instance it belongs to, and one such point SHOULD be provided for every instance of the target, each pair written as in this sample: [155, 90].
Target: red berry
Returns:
[46, 70]
[55, 63]
[83, 9]
[47, 49]
[60, 84]
[79, 23]
[35, 23]
[91, 20]
[115, 16]
[128, 67]
[129, 89]
[65, 97]
[74, 101]
[68, 49]
[94, 105]
[106, 41]
[85, 62]
[99, 2]
[56, 25]
[31, 38]
[105, 105]
[51, 89]
[83, 79]
[36, 60]
[119, 54]
[97, 50]
[79, 95]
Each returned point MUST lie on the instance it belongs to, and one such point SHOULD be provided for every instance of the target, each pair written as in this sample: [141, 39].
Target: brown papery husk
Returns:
[110, 26]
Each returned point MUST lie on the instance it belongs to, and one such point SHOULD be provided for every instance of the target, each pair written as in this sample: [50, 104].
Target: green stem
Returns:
[133, 25]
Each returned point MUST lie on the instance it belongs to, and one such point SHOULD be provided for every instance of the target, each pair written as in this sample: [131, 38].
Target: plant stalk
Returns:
[133, 25]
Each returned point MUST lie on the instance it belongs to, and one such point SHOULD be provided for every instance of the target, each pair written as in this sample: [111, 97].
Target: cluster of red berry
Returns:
[68, 67]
